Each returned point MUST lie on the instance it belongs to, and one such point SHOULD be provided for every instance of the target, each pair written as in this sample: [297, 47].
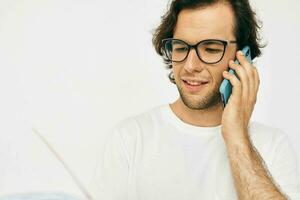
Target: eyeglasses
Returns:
[209, 51]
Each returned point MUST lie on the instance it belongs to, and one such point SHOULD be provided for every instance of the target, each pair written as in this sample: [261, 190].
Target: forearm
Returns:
[251, 177]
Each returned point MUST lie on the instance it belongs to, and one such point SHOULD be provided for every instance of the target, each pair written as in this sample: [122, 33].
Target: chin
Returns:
[202, 101]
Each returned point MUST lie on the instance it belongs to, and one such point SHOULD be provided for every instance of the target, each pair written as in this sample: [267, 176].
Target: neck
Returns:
[205, 118]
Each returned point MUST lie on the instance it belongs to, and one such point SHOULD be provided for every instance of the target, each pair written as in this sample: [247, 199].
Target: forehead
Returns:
[212, 22]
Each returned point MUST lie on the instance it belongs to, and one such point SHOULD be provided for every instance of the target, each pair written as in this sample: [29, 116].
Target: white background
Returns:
[73, 68]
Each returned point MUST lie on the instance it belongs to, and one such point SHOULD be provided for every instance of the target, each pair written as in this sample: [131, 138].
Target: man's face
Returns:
[194, 25]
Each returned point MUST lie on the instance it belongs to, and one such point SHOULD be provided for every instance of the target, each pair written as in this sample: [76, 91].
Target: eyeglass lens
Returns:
[210, 51]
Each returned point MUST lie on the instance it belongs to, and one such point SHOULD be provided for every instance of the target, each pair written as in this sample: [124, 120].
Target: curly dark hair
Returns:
[246, 25]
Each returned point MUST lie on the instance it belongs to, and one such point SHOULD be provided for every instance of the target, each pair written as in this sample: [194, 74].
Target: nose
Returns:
[193, 63]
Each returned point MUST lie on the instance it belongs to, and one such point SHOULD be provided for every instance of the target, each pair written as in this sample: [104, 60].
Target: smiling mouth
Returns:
[194, 86]
[195, 83]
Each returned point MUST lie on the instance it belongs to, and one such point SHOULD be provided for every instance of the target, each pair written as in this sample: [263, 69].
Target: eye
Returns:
[180, 49]
[213, 50]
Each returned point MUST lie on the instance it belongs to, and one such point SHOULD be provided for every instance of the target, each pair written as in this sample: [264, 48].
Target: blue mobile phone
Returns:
[226, 87]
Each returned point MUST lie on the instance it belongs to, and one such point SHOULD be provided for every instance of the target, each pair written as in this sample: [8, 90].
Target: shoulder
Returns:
[267, 139]
[263, 132]
[132, 129]
[140, 121]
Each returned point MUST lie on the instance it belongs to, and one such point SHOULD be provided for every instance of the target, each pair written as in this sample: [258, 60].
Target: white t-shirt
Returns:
[155, 155]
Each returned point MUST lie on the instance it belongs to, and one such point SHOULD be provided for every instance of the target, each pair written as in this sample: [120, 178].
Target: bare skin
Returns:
[203, 108]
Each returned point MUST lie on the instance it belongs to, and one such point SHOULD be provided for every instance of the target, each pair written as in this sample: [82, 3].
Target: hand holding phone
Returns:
[226, 87]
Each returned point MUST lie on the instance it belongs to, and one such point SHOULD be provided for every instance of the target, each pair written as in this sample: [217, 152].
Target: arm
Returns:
[251, 177]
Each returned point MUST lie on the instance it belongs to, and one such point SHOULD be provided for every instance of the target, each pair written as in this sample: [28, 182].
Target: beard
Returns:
[199, 102]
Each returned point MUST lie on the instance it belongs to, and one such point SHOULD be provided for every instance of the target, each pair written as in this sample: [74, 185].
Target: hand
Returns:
[238, 110]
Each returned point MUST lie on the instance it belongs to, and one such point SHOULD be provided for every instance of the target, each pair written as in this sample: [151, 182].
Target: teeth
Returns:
[194, 83]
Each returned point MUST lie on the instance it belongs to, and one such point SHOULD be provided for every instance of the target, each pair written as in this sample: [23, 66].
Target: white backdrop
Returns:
[73, 68]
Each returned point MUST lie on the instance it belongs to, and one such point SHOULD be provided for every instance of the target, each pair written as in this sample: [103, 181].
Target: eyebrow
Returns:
[178, 42]
[210, 42]
[185, 41]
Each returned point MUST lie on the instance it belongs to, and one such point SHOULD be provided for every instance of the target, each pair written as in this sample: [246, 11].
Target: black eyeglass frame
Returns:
[224, 42]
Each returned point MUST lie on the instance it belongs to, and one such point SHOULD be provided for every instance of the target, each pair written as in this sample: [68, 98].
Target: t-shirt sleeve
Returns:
[285, 169]
[110, 181]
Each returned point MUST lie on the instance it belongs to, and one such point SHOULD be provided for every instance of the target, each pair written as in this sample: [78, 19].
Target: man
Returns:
[195, 148]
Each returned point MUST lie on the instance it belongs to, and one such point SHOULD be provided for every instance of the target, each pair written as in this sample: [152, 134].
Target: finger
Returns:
[250, 69]
[235, 82]
[243, 76]
[257, 79]
[246, 65]
[243, 60]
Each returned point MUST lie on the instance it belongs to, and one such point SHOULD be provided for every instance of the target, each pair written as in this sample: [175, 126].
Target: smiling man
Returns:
[194, 148]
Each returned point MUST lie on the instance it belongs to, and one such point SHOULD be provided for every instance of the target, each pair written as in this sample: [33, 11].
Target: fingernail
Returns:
[240, 53]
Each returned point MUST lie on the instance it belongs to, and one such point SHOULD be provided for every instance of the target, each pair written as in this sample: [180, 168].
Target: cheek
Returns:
[217, 74]
[176, 70]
